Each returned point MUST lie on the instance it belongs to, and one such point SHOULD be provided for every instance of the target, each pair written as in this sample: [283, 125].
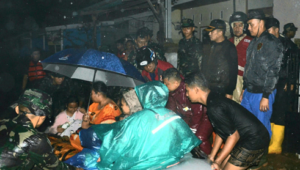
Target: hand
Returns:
[285, 87]
[215, 166]
[228, 96]
[86, 117]
[212, 158]
[60, 129]
[241, 96]
[82, 110]
[264, 105]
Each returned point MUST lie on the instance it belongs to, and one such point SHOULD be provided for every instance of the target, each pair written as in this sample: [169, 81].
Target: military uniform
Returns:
[189, 55]
[23, 147]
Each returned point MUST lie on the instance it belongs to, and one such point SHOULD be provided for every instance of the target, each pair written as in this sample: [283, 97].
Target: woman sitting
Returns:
[69, 118]
[103, 109]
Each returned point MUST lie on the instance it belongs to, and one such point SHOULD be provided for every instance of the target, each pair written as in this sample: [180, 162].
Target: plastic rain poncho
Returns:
[153, 138]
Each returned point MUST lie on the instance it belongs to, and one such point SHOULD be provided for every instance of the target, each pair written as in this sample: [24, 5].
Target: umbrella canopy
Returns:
[92, 65]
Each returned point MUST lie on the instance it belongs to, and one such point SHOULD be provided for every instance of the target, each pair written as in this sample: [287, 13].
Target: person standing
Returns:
[289, 32]
[190, 49]
[264, 56]
[238, 24]
[35, 70]
[283, 87]
[220, 67]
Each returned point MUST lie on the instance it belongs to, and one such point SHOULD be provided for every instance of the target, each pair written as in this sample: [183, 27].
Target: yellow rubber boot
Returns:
[277, 139]
[272, 129]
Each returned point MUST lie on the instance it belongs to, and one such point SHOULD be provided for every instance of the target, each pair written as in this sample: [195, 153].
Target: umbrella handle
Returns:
[88, 105]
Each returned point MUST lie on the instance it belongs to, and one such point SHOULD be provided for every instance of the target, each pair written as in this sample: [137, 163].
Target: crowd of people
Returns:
[237, 92]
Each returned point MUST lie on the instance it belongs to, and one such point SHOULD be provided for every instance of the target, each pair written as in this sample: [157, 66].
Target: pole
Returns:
[90, 93]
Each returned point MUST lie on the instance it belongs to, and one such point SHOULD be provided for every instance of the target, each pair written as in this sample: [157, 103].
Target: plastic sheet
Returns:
[153, 138]
[190, 163]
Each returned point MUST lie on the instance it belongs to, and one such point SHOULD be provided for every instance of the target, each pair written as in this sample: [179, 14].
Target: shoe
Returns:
[276, 139]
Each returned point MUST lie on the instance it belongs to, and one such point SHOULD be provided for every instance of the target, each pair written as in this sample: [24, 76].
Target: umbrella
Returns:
[92, 65]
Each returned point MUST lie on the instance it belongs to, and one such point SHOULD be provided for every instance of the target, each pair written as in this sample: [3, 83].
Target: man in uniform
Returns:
[21, 145]
[284, 85]
[238, 24]
[143, 38]
[190, 49]
[289, 33]
[264, 56]
[220, 67]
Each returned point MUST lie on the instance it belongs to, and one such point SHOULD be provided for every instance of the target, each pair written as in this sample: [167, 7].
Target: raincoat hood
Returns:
[152, 95]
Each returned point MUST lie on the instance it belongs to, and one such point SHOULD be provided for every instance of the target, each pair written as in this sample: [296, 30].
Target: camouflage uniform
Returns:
[189, 55]
[131, 58]
[159, 50]
[23, 147]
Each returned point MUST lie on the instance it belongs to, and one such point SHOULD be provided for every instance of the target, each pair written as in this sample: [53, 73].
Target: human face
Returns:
[36, 121]
[72, 107]
[254, 24]
[150, 67]
[191, 93]
[291, 34]
[188, 32]
[58, 80]
[274, 31]
[120, 46]
[238, 28]
[125, 108]
[95, 96]
[141, 42]
[36, 56]
[171, 84]
[129, 46]
[215, 35]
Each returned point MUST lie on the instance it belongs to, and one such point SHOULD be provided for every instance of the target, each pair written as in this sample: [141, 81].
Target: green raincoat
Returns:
[153, 138]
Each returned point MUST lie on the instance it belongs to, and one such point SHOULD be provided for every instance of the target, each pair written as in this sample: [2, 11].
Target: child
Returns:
[69, 115]
[129, 104]
[246, 138]
[152, 68]
[193, 114]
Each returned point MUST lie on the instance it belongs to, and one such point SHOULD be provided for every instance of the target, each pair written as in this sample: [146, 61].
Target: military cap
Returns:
[187, 23]
[256, 14]
[290, 27]
[272, 22]
[216, 24]
[38, 102]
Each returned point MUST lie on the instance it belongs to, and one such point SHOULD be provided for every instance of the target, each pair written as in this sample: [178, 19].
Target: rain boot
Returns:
[272, 129]
[277, 139]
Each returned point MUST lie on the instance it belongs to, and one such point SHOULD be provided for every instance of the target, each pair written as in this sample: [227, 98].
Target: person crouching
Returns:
[246, 138]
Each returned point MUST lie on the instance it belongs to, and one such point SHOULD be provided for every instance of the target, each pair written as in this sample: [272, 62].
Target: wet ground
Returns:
[282, 162]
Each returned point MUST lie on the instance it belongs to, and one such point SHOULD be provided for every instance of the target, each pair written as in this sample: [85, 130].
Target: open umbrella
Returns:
[92, 65]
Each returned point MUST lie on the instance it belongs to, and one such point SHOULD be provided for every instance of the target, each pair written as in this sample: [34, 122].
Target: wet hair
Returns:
[120, 41]
[171, 73]
[100, 87]
[142, 33]
[129, 41]
[72, 99]
[197, 79]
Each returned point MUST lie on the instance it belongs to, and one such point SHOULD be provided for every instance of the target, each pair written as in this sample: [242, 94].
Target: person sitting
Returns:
[193, 114]
[103, 109]
[151, 66]
[21, 145]
[70, 115]
[153, 138]
[246, 138]
[129, 103]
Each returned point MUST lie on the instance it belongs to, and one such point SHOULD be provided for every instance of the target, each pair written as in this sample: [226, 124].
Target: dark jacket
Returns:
[22, 147]
[193, 114]
[264, 56]
[189, 55]
[220, 67]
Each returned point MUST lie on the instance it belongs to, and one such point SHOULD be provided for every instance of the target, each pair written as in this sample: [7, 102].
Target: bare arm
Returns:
[229, 145]
[25, 79]
[217, 144]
